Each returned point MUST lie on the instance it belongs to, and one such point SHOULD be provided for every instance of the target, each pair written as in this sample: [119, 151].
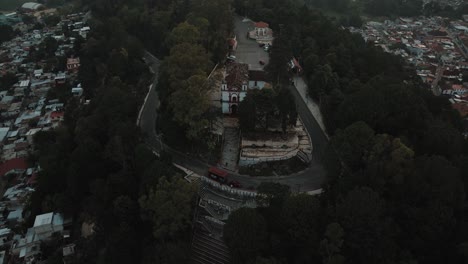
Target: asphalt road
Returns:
[248, 50]
[310, 179]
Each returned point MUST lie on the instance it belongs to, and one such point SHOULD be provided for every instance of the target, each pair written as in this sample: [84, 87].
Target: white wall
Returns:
[260, 84]
[225, 108]
[225, 96]
[242, 96]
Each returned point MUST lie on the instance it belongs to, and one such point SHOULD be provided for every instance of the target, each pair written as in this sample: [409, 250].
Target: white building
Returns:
[237, 81]
[45, 226]
[31, 6]
[234, 87]
[261, 28]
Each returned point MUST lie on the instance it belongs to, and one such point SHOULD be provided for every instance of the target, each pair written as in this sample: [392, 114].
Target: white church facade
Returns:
[237, 81]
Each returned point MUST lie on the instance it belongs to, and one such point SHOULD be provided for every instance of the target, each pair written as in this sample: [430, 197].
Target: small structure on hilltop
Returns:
[32, 7]
[262, 33]
[73, 64]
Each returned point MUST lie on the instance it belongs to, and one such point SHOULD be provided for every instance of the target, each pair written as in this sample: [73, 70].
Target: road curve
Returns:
[312, 178]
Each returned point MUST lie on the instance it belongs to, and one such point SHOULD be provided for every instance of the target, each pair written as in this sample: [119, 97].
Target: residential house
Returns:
[77, 91]
[262, 33]
[16, 165]
[61, 78]
[73, 65]
[44, 227]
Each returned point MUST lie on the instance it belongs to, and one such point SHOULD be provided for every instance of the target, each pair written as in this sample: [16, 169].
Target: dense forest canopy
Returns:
[96, 168]
[397, 163]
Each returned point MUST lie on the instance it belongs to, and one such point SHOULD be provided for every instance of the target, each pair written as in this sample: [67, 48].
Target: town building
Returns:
[73, 64]
[262, 33]
[234, 87]
[32, 7]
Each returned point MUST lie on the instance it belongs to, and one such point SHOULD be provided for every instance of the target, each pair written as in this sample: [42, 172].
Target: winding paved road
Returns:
[310, 179]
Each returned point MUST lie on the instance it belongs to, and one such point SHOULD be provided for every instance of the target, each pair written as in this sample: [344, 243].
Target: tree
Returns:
[368, 232]
[352, 143]
[6, 33]
[51, 20]
[323, 81]
[185, 61]
[245, 234]
[287, 107]
[442, 139]
[184, 33]
[7, 80]
[169, 207]
[301, 218]
[330, 246]
[190, 104]
[247, 118]
[280, 56]
[272, 194]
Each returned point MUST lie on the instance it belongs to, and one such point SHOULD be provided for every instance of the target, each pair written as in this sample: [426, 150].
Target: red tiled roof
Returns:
[13, 164]
[56, 114]
[237, 75]
[261, 24]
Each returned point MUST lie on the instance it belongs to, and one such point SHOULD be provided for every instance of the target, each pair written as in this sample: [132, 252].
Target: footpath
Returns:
[302, 88]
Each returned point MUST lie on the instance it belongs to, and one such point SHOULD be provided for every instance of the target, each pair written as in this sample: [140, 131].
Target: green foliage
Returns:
[301, 218]
[353, 143]
[245, 234]
[190, 104]
[184, 33]
[6, 33]
[169, 206]
[7, 80]
[51, 20]
[260, 107]
[272, 194]
[330, 246]
[389, 199]
[390, 8]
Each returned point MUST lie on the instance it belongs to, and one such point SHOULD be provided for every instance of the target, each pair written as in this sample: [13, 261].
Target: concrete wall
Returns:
[247, 161]
[223, 187]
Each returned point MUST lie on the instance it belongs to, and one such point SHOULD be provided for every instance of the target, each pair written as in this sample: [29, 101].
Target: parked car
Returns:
[231, 57]
[261, 62]
[235, 184]
[261, 45]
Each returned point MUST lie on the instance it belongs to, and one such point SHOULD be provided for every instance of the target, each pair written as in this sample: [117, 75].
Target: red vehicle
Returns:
[217, 174]
[221, 176]
[261, 62]
[235, 184]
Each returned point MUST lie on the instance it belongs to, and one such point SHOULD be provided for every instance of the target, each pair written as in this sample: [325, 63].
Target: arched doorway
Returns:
[234, 109]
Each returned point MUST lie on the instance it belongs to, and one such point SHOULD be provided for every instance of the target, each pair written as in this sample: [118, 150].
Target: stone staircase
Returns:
[230, 148]
[208, 249]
